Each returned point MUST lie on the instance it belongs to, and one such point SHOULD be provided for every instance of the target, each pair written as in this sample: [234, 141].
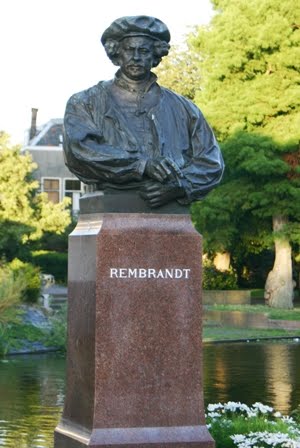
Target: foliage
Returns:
[17, 189]
[31, 277]
[256, 167]
[215, 279]
[57, 337]
[238, 425]
[295, 414]
[252, 268]
[57, 242]
[18, 333]
[250, 65]
[14, 239]
[179, 72]
[20, 202]
[237, 216]
[12, 286]
[251, 95]
[50, 262]
[50, 217]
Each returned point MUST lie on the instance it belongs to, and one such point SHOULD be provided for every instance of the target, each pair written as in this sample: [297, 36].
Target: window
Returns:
[73, 190]
[72, 185]
[51, 187]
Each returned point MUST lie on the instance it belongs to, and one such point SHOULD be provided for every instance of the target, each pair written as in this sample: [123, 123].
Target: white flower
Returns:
[252, 413]
[238, 438]
[214, 415]
[287, 419]
[214, 406]
[263, 439]
[232, 406]
[295, 431]
[264, 409]
[244, 407]
[274, 440]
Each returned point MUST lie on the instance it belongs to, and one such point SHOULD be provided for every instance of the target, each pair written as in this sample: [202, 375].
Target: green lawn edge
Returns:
[218, 334]
[271, 313]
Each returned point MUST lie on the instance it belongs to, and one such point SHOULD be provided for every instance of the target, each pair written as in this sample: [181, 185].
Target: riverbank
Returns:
[231, 334]
[40, 331]
[34, 330]
[249, 322]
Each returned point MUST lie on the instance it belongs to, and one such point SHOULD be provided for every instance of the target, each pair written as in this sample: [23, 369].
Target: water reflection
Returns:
[32, 393]
[283, 375]
[266, 372]
[32, 387]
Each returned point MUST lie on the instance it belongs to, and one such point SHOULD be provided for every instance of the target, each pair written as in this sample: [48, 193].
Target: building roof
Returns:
[49, 134]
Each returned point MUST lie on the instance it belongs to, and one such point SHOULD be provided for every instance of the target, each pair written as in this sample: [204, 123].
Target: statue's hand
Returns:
[162, 169]
[157, 194]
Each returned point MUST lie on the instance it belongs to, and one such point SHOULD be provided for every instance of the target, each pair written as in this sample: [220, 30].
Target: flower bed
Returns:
[236, 425]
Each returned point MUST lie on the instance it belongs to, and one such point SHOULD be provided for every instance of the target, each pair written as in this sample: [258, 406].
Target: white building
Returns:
[45, 146]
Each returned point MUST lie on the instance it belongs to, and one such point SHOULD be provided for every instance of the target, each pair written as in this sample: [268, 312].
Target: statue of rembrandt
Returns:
[129, 133]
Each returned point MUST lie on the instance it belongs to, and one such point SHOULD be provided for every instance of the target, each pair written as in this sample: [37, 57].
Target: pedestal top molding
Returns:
[125, 201]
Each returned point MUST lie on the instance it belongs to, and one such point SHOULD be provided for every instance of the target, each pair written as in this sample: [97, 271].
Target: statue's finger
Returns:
[164, 166]
[174, 166]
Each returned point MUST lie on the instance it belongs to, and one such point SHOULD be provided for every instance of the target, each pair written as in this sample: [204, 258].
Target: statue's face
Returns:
[136, 57]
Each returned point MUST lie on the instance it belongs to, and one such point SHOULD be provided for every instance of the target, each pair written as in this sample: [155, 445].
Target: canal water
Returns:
[32, 387]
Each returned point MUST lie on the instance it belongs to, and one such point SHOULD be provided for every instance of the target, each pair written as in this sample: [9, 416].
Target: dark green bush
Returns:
[215, 279]
[56, 242]
[31, 277]
[50, 262]
[14, 239]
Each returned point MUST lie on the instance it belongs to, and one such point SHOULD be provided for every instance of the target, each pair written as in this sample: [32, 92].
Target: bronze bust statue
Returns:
[129, 133]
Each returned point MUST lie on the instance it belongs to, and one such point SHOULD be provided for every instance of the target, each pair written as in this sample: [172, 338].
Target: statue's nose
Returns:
[136, 55]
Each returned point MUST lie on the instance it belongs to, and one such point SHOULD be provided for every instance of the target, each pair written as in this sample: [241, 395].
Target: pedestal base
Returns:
[134, 369]
[168, 437]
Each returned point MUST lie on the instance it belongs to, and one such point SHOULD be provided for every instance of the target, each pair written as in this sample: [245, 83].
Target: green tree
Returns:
[14, 239]
[180, 71]
[25, 213]
[250, 64]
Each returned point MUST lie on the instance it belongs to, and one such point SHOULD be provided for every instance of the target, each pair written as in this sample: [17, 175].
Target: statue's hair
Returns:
[112, 48]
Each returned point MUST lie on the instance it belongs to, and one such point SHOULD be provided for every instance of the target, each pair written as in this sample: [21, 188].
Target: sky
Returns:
[51, 49]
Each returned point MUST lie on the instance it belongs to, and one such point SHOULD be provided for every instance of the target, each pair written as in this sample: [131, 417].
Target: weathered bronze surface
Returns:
[130, 133]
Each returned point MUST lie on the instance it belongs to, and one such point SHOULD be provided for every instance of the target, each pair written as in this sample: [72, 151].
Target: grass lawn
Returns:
[272, 313]
[220, 333]
[214, 333]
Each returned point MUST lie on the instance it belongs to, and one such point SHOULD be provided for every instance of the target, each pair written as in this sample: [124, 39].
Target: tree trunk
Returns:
[279, 291]
[222, 261]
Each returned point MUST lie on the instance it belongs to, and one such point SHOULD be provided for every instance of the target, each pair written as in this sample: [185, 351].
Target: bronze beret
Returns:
[136, 26]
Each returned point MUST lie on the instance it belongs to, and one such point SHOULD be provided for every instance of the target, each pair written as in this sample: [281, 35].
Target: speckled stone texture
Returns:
[134, 370]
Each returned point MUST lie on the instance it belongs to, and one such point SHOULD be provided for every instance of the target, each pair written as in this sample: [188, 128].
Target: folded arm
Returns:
[89, 156]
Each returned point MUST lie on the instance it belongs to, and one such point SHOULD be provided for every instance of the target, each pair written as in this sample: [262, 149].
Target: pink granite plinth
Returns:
[134, 369]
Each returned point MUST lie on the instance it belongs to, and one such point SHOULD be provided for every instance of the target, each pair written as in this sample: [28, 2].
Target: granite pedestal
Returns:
[134, 368]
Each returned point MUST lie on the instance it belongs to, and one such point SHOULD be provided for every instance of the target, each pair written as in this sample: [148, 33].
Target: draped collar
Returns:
[134, 86]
